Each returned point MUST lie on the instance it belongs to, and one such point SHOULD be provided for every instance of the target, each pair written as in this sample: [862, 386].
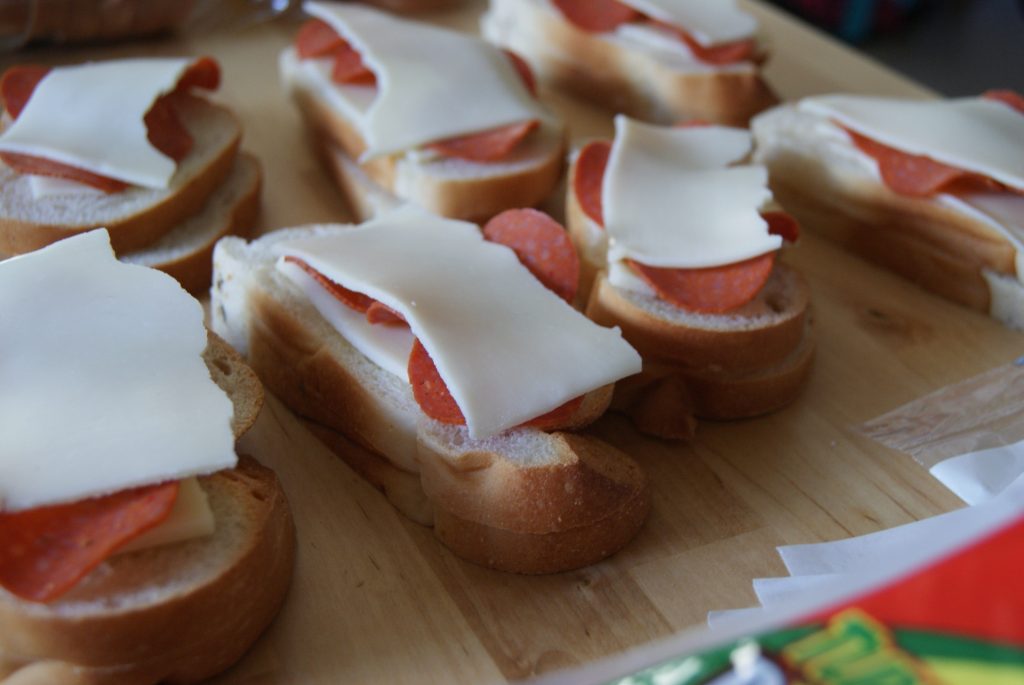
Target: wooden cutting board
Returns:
[377, 600]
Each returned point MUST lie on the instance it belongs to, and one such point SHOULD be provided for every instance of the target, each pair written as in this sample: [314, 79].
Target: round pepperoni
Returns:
[589, 177]
[429, 388]
[486, 146]
[349, 68]
[18, 84]
[783, 224]
[1007, 97]
[378, 312]
[542, 245]
[596, 16]
[44, 552]
[712, 290]
[316, 38]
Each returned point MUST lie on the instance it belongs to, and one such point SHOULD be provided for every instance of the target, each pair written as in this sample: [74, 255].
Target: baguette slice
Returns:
[455, 188]
[642, 81]
[135, 217]
[833, 189]
[573, 499]
[177, 613]
[186, 253]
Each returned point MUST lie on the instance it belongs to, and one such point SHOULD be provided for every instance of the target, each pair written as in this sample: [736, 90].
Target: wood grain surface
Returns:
[377, 600]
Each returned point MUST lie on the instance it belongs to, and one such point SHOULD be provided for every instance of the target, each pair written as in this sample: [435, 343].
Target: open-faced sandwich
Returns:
[658, 60]
[410, 112]
[128, 145]
[135, 546]
[458, 371]
[931, 189]
[679, 238]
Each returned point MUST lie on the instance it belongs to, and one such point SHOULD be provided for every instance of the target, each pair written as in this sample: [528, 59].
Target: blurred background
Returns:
[957, 47]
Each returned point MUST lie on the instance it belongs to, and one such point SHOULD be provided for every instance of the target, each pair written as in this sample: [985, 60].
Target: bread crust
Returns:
[196, 632]
[472, 198]
[138, 230]
[631, 82]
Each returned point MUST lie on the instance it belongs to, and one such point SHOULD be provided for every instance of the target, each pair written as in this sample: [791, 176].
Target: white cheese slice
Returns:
[508, 349]
[190, 518]
[432, 83]
[42, 187]
[102, 383]
[975, 134]
[710, 22]
[386, 346]
[669, 198]
[1003, 212]
[91, 116]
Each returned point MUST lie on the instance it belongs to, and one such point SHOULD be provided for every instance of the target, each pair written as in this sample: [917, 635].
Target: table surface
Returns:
[377, 599]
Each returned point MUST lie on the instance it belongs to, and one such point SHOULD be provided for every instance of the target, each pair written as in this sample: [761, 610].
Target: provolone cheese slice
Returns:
[47, 186]
[669, 198]
[386, 346]
[432, 83]
[91, 116]
[710, 22]
[102, 383]
[507, 347]
[190, 518]
[975, 134]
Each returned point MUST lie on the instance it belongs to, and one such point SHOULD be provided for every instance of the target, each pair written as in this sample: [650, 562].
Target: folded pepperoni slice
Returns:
[437, 402]
[590, 165]
[726, 53]
[542, 245]
[164, 128]
[44, 552]
[596, 16]
[712, 290]
[486, 146]
[357, 301]
[1007, 97]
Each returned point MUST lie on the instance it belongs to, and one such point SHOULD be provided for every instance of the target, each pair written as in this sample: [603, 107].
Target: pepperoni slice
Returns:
[542, 245]
[40, 166]
[486, 146]
[523, 69]
[357, 301]
[378, 312]
[164, 128]
[44, 552]
[18, 84]
[437, 402]
[316, 38]
[596, 16]
[908, 174]
[1007, 97]
[783, 224]
[589, 177]
[713, 290]
[726, 53]
[429, 388]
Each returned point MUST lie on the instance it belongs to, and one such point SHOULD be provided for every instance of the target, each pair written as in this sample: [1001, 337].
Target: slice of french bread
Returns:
[186, 252]
[645, 81]
[178, 613]
[835, 190]
[135, 217]
[455, 188]
[573, 485]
